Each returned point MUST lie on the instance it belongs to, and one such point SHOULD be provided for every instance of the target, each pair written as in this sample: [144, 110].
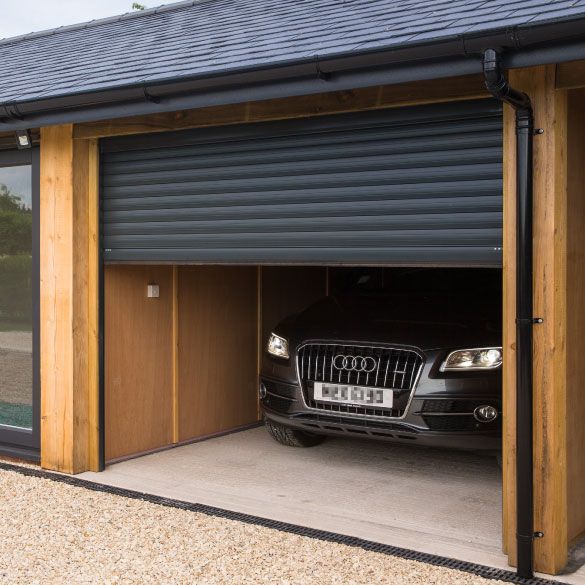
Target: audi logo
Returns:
[354, 363]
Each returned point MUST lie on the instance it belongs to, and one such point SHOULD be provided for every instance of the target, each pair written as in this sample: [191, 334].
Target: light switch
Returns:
[152, 291]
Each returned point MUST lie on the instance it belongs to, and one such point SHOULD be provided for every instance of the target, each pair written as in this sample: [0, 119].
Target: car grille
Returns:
[391, 368]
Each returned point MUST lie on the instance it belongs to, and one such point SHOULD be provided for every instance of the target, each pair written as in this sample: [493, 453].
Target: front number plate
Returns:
[346, 394]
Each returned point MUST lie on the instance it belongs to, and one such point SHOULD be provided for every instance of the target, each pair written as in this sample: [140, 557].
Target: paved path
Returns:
[16, 367]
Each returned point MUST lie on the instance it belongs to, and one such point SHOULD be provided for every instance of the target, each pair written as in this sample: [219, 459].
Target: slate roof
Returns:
[211, 37]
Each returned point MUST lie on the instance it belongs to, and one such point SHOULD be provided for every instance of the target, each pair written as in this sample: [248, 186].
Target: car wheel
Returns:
[291, 437]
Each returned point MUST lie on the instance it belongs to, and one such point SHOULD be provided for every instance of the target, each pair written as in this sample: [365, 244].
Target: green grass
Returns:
[7, 325]
[16, 415]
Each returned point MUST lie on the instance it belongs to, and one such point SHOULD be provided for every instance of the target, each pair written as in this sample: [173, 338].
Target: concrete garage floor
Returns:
[442, 502]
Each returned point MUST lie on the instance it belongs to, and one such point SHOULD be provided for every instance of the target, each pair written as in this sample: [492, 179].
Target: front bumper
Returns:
[423, 424]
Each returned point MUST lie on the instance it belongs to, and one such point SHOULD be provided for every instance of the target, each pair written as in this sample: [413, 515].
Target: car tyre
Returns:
[291, 437]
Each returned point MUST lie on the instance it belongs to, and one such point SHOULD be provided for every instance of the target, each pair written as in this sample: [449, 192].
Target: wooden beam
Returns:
[175, 341]
[93, 226]
[372, 98]
[68, 210]
[550, 277]
[550, 374]
[576, 311]
[570, 75]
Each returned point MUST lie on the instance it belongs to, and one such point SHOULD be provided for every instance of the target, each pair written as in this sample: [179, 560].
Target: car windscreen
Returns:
[459, 281]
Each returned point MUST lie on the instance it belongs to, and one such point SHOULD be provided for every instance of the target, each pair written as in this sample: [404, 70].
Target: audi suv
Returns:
[406, 355]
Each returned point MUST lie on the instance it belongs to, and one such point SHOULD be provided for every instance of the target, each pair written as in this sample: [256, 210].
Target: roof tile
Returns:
[199, 38]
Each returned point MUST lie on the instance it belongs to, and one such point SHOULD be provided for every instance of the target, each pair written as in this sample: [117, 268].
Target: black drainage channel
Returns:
[403, 553]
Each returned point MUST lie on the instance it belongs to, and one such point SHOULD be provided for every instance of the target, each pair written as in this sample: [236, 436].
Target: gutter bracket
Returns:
[530, 537]
[16, 112]
[323, 75]
[532, 321]
[150, 98]
[11, 112]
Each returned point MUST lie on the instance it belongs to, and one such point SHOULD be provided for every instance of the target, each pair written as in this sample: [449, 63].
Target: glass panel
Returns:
[16, 317]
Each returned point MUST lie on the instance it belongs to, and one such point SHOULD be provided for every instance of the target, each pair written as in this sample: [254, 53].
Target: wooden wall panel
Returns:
[286, 290]
[138, 360]
[576, 312]
[218, 315]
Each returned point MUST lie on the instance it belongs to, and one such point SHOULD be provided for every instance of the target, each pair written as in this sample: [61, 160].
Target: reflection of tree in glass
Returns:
[15, 224]
[9, 201]
[15, 261]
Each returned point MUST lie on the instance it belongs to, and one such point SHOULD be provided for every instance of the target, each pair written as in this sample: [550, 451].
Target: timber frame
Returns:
[69, 211]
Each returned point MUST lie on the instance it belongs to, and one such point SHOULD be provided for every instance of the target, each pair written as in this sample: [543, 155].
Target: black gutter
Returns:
[457, 55]
[242, 88]
[498, 86]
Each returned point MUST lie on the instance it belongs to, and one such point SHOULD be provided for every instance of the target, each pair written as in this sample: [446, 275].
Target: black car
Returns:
[394, 355]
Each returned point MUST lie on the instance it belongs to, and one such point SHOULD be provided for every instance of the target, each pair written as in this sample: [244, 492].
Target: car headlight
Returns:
[278, 346]
[484, 358]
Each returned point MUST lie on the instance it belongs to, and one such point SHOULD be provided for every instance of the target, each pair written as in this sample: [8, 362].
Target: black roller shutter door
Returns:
[409, 186]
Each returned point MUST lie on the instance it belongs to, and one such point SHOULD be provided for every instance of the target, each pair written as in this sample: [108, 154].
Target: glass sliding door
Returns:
[19, 301]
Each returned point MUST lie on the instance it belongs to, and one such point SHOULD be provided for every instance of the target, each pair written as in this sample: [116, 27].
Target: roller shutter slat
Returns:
[263, 170]
[418, 186]
[284, 182]
[341, 239]
[121, 220]
[392, 152]
[369, 193]
[307, 224]
[407, 256]
[197, 159]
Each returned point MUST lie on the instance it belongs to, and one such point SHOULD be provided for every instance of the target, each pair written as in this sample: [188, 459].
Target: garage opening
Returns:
[374, 476]
[212, 238]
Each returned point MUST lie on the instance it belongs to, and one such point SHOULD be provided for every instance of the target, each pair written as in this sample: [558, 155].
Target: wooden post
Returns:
[176, 425]
[550, 286]
[576, 313]
[69, 301]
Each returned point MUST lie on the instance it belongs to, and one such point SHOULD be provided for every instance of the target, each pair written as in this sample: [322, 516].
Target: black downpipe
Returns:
[497, 84]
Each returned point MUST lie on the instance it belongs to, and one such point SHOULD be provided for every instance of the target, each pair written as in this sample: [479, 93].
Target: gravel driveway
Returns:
[53, 533]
